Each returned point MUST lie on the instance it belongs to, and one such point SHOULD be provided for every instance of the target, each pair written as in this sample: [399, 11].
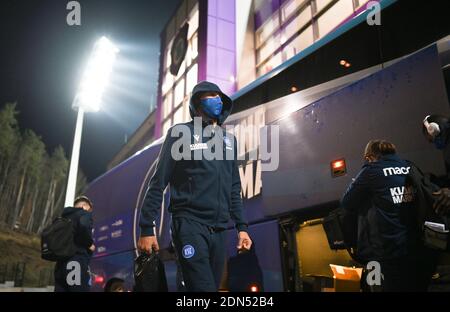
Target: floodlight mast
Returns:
[88, 99]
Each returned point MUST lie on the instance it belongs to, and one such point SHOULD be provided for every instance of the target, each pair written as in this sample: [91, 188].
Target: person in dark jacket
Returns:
[73, 275]
[436, 129]
[204, 191]
[380, 204]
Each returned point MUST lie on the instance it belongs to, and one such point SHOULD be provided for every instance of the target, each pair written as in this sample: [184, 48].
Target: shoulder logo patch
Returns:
[188, 251]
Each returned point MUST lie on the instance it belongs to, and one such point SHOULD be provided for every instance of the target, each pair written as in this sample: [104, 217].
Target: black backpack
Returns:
[149, 273]
[340, 234]
[57, 240]
[423, 204]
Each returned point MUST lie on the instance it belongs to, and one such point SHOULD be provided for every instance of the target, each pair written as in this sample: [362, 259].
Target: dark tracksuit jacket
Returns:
[204, 194]
[444, 137]
[381, 206]
[82, 222]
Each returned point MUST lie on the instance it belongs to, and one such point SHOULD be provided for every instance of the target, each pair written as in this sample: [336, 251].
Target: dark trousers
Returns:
[411, 274]
[201, 254]
[73, 275]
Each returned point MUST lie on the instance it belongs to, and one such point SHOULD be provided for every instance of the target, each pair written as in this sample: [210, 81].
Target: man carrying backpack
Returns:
[72, 274]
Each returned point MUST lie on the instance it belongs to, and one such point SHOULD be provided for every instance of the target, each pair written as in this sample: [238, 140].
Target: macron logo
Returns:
[396, 170]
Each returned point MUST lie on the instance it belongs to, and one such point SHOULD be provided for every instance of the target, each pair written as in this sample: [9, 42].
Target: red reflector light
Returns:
[338, 168]
[254, 288]
[99, 279]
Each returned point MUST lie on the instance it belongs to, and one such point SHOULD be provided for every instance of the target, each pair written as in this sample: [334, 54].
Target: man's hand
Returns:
[92, 248]
[442, 204]
[148, 244]
[244, 241]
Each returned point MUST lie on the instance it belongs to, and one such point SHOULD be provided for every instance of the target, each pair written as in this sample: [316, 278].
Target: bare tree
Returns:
[9, 139]
[31, 153]
[57, 168]
[32, 184]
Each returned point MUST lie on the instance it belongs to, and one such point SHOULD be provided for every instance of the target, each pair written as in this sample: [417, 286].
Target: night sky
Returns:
[42, 61]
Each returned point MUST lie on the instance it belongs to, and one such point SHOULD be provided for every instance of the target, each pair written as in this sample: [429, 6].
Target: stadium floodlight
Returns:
[96, 76]
[88, 99]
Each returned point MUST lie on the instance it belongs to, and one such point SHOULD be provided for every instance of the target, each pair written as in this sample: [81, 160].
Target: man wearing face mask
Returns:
[436, 130]
[204, 194]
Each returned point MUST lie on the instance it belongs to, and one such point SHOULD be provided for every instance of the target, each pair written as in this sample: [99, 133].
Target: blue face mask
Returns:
[439, 143]
[212, 107]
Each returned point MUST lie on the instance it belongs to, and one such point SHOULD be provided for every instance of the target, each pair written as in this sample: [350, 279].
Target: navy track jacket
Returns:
[206, 191]
[380, 204]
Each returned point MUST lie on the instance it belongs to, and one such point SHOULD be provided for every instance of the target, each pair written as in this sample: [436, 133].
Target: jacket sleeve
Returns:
[354, 198]
[358, 191]
[236, 209]
[85, 230]
[158, 182]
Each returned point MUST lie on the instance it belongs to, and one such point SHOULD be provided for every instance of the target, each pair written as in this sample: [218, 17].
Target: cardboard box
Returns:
[346, 279]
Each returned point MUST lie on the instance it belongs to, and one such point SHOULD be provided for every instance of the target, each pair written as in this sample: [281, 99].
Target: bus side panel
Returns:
[262, 265]
[389, 104]
[115, 197]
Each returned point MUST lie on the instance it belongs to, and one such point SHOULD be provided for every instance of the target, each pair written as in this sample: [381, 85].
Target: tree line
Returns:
[32, 181]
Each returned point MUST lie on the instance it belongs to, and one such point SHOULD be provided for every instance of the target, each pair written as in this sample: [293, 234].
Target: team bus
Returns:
[399, 74]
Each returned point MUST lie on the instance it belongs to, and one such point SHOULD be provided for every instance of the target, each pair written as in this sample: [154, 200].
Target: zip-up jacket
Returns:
[380, 204]
[444, 136]
[204, 190]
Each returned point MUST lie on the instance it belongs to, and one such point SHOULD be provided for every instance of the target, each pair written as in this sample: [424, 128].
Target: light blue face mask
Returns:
[212, 107]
